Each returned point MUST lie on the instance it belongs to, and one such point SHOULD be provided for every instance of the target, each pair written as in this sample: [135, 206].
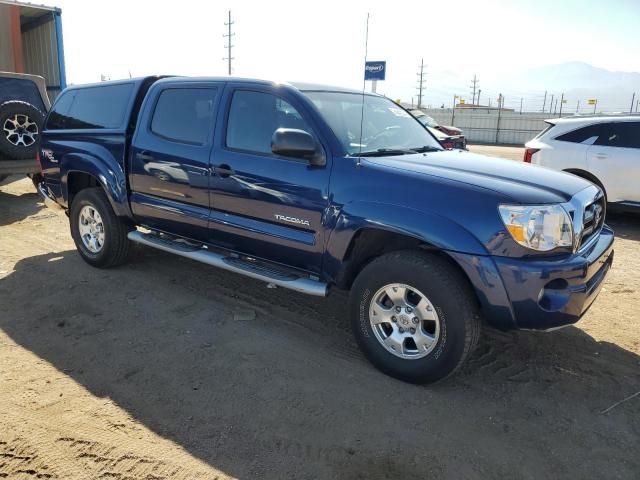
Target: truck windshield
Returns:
[387, 129]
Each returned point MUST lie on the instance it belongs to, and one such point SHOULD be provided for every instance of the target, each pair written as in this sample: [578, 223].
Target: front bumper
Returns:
[539, 294]
[547, 294]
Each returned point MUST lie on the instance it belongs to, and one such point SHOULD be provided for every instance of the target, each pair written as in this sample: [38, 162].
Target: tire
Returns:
[114, 248]
[20, 129]
[454, 332]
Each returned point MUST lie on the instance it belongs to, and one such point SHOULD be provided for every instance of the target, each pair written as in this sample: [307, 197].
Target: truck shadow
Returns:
[15, 207]
[262, 382]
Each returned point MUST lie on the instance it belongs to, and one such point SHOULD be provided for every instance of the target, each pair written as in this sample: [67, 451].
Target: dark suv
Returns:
[23, 105]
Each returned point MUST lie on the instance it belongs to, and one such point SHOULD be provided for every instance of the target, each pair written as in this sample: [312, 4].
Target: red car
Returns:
[427, 121]
[446, 139]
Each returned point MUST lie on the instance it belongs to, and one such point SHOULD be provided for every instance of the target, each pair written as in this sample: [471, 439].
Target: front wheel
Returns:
[414, 316]
[100, 236]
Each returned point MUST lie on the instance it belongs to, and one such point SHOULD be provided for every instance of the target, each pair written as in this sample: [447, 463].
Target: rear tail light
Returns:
[528, 154]
[448, 145]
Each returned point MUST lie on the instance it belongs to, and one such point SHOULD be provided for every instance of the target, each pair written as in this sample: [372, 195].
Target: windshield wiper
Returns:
[383, 152]
[426, 149]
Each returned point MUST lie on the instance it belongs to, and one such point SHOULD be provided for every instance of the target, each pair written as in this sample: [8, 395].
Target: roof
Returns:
[595, 118]
[316, 87]
[301, 86]
[28, 9]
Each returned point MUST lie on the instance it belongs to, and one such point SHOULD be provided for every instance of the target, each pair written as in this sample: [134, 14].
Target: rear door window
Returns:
[621, 135]
[185, 115]
[589, 134]
[100, 107]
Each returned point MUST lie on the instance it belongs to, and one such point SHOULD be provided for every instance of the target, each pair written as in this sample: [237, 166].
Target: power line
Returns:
[421, 81]
[228, 46]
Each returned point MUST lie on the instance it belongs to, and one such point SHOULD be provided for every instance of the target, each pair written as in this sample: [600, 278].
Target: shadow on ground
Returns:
[625, 224]
[14, 208]
[268, 383]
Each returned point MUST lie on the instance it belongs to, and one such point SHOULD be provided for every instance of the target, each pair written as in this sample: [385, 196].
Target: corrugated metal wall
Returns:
[482, 125]
[41, 55]
[7, 62]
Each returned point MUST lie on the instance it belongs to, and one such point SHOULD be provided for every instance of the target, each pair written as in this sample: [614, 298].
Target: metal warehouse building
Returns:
[31, 42]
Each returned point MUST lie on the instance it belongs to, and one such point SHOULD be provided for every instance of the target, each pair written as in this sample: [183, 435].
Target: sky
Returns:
[324, 41]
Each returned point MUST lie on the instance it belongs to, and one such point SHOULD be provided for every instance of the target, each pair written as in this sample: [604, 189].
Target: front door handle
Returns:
[144, 156]
[601, 156]
[223, 170]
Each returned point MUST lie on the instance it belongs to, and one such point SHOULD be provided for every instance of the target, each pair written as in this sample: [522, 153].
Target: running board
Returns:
[233, 264]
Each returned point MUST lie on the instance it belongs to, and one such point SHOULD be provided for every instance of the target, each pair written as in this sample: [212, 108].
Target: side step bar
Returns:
[233, 264]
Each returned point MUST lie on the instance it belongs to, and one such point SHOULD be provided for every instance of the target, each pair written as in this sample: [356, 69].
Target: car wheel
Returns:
[414, 316]
[100, 236]
[20, 128]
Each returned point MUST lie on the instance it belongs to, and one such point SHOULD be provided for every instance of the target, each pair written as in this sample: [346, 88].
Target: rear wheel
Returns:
[100, 236]
[414, 316]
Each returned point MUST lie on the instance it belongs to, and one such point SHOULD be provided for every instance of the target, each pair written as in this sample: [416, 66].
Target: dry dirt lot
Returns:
[168, 369]
[511, 153]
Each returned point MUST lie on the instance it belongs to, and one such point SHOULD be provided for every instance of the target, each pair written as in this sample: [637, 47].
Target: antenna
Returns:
[229, 46]
[364, 84]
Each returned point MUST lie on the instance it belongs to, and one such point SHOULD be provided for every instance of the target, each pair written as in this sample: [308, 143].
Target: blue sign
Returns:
[375, 70]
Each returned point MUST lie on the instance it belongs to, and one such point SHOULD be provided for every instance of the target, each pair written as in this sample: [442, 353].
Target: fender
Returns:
[101, 164]
[436, 230]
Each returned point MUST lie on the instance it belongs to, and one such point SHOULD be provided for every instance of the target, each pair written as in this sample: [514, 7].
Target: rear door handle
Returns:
[601, 156]
[223, 170]
[144, 156]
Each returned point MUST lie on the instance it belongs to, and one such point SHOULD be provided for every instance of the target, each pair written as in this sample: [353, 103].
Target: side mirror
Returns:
[290, 142]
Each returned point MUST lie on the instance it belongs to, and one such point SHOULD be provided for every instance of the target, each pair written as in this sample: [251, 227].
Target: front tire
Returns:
[414, 316]
[100, 236]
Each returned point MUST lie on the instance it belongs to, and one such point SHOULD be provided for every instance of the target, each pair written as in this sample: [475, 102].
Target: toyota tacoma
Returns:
[310, 187]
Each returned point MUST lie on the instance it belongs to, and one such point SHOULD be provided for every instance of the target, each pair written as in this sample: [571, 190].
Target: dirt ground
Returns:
[511, 153]
[168, 369]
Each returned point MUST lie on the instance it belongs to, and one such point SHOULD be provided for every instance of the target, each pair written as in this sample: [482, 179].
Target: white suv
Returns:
[604, 150]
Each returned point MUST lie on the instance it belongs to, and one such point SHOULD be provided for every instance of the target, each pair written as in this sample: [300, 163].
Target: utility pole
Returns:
[474, 82]
[479, 92]
[520, 105]
[500, 105]
[544, 102]
[637, 104]
[561, 102]
[578, 107]
[421, 81]
[228, 46]
[633, 97]
[551, 104]
[453, 110]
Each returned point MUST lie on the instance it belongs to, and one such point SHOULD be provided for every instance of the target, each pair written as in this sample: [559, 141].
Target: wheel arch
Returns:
[587, 176]
[80, 171]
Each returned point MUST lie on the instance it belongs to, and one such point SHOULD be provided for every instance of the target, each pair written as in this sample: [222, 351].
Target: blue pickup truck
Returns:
[310, 187]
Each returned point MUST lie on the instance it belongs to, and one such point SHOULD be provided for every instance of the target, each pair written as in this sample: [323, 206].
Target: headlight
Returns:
[540, 227]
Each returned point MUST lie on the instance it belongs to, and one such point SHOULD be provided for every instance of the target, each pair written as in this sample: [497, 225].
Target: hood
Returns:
[517, 182]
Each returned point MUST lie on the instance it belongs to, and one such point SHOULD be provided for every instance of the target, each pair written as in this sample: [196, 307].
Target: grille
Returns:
[592, 220]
